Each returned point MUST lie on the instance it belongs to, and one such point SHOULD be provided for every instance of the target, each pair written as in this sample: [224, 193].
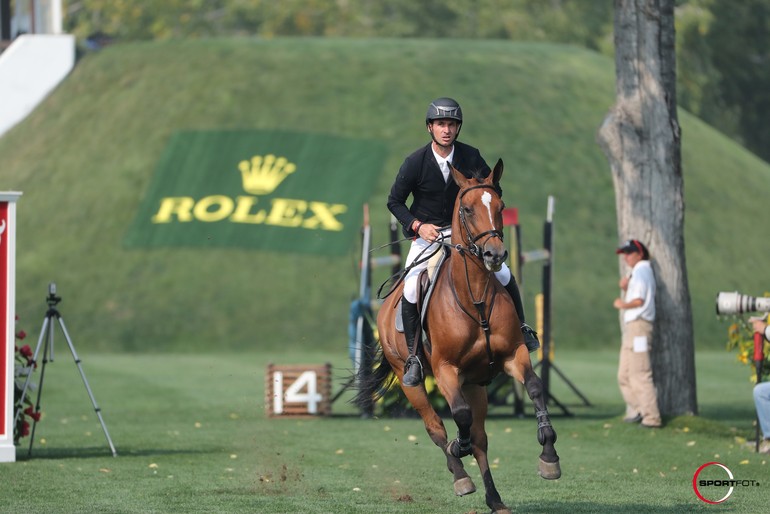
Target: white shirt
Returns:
[442, 162]
[641, 285]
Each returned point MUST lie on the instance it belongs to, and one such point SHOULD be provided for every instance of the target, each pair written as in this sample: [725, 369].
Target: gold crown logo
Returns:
[261, 175]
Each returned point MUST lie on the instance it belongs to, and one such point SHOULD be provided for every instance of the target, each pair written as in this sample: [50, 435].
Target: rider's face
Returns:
[444, 131]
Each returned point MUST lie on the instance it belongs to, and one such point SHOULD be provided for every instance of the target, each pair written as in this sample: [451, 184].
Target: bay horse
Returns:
[472, 334]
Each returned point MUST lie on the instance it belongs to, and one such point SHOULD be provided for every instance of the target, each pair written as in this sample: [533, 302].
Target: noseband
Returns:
[473, 248]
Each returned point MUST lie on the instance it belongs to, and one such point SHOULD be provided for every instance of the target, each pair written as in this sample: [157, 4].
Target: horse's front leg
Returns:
[520, 368]
[435, 427]
[448, 382]
[476, 395]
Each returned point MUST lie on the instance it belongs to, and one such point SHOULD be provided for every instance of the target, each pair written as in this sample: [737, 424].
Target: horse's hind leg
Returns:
[521, 369]
[437, 432]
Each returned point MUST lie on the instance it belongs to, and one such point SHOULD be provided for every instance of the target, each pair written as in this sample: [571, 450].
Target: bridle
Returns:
[472, 247]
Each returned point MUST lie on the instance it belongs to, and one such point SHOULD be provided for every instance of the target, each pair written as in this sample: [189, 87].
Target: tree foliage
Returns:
[741, 33]
[723, 47]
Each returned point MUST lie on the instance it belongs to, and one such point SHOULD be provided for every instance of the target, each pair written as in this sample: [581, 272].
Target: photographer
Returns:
[638, 308]
[762, 392]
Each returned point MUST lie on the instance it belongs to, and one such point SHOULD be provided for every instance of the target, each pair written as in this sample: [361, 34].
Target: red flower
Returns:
[25, 429]
[21, 334]
[32, 414]
[26, 352]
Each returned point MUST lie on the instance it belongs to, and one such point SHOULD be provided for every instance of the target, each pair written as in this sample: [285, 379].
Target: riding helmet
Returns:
[444, 108]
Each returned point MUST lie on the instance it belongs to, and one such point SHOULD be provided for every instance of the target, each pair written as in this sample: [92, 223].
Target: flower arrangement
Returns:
[23, 410]
[395, 404]
[740, 337]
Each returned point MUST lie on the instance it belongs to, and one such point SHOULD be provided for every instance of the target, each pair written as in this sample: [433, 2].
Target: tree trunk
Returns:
[641, 138]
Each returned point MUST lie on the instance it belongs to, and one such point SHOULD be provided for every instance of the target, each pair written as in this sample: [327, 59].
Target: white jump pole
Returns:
[7, 320]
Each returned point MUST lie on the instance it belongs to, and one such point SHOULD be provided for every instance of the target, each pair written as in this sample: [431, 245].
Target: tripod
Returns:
[45, 341]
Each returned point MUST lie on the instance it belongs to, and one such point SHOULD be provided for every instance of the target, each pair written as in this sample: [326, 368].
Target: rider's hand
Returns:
[759, 325]
[428, 231]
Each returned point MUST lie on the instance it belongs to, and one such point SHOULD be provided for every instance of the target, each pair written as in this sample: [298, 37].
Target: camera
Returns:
[737, 303]
[52, 299]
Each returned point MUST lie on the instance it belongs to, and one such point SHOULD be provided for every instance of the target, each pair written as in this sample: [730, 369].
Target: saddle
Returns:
[425, 286]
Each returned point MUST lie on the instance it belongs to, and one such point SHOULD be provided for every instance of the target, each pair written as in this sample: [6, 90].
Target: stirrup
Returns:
[412, 372]
[530, 338]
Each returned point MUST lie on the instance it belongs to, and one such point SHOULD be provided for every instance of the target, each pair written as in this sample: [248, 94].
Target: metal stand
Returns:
[45, 341]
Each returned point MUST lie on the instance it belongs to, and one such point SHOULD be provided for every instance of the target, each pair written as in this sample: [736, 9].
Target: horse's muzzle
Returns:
[494, 259]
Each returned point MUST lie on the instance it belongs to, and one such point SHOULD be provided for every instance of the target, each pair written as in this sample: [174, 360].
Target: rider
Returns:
[425, 175]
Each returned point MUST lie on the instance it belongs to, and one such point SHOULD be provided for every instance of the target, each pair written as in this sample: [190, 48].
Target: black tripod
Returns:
[46, 334]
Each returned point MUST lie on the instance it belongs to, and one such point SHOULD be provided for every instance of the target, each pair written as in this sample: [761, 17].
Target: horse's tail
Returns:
[373, 383]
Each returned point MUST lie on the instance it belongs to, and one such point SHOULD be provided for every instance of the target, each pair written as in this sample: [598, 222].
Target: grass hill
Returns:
[85, 157]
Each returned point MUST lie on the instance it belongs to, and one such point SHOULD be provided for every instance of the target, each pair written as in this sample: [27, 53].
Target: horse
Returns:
[472, 334]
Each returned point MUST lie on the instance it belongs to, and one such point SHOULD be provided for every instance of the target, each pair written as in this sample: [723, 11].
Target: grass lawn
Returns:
[192, 436]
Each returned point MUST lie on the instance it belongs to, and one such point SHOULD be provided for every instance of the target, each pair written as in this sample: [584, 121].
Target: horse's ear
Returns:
[457, 176]
[497, 172]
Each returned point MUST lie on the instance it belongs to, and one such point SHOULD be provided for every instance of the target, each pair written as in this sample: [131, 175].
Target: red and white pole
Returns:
[7, 320]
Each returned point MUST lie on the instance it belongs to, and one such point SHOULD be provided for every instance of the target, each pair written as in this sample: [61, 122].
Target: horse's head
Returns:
[478, 219]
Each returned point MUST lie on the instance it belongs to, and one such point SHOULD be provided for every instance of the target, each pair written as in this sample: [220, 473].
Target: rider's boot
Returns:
[413, 366]
[530, 336]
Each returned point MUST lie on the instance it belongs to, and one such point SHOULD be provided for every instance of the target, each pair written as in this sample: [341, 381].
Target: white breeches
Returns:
[423, 249]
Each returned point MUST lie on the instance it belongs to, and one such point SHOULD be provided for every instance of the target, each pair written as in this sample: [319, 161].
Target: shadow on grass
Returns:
[576, 507]
[94, 453]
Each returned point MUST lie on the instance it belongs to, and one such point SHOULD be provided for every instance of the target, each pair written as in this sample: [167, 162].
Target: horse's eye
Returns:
[467, 210]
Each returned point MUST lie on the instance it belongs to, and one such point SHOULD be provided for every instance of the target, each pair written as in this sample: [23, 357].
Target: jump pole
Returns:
[518, 260]
[545, 363]
[360, 330]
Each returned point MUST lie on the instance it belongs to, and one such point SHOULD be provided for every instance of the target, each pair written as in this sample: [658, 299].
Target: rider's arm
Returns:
[402, 187]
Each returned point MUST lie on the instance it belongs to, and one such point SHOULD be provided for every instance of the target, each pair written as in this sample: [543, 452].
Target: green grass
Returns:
[84, 159]
[192, 436]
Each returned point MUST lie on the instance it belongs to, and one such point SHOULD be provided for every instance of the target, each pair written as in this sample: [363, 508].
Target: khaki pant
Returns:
[635, 373]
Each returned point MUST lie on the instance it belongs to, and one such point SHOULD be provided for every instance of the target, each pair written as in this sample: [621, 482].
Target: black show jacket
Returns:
[433, 199]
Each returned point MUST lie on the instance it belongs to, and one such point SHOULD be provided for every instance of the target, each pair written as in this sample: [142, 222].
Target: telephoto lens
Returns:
[737, 303]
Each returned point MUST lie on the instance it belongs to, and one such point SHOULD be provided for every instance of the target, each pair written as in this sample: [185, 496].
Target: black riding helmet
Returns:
[444, 108]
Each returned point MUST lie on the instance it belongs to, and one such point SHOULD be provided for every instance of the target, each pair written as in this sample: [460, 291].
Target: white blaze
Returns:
[486, 199]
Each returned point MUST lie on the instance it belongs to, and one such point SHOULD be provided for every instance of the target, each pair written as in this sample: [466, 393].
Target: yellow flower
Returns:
[430, 384]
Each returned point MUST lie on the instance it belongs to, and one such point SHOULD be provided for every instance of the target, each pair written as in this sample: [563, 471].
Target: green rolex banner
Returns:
[267, 190]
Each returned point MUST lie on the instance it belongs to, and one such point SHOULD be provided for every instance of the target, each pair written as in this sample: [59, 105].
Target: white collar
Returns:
[441, 160]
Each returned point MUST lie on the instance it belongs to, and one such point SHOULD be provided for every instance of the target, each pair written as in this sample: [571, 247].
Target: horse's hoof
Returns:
[504, 510]
[464, 486]
[549, 470]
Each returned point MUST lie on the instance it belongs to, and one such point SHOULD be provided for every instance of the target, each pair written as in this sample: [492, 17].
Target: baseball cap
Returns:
[631, 246]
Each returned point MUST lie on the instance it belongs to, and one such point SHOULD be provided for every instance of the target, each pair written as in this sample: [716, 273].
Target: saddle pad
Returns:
[425, 289]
